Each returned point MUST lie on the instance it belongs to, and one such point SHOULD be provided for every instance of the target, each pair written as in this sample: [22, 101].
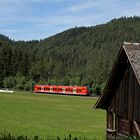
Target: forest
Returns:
[77, 56]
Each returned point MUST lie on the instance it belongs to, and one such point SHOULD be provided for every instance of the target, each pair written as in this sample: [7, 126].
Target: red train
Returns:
[75, 90]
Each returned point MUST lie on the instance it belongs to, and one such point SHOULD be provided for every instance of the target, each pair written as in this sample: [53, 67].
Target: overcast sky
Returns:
[38, 19]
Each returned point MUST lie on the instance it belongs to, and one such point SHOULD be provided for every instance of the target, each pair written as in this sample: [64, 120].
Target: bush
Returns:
[97, 89]
[9, 82]
[29, 85]
[20, 81]
[66, 81]
[41, 82]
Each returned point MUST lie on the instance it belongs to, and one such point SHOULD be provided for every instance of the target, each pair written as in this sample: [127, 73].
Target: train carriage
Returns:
[60, 89]
[42, 88]
[69, 89]
[81, 90]
[76, 90]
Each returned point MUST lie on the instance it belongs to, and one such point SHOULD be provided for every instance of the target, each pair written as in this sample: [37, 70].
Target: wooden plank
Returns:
[111, 131]
[130, 98]
[138, 91]
[124, 126]
[137, 128]
[126, 92]
[137, 101]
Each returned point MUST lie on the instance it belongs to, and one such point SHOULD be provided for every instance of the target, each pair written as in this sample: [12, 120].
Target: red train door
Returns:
[63, 90]
[42, 88]
[74, 90]
[51, 89]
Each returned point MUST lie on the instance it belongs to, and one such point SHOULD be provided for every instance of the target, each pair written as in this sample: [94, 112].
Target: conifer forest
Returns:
[77, 56]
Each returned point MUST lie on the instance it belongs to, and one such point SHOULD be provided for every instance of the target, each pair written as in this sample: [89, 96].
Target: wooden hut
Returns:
[121, 95]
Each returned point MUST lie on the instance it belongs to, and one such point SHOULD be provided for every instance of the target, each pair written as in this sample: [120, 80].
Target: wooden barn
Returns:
[121, 95]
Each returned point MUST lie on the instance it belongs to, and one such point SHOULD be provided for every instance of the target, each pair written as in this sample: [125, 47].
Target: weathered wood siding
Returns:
[126, 102]
[126, 105]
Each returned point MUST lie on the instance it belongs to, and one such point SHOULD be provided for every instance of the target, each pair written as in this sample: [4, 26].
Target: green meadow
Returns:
[46, 115]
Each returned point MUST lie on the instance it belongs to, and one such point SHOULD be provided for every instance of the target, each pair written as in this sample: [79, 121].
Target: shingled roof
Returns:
[129, 53]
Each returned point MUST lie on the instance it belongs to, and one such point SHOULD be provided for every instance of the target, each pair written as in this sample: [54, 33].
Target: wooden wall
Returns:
[125, 105]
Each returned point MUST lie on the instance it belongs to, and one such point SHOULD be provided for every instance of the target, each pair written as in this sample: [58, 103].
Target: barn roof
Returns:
[129, 54]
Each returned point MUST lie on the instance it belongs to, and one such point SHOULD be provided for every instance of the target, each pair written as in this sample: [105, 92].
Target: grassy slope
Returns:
[34, 114]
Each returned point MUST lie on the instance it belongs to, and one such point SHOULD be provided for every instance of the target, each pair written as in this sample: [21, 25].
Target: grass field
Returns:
[53, 115]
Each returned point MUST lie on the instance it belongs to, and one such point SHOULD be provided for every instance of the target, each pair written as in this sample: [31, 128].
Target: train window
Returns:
[78, 90]
[84, 89]
[59, 89]
[68, 89]
[74, 90]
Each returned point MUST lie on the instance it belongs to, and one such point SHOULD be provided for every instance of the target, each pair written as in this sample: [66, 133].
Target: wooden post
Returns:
[110, 131]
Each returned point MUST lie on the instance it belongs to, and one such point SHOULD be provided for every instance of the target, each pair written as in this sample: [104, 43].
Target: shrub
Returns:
[9, 82]
[20, 81]
[29, 85]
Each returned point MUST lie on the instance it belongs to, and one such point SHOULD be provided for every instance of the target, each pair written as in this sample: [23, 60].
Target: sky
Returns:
[39, 19]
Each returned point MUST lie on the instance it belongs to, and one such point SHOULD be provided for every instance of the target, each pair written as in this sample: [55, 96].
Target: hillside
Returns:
[75, 56]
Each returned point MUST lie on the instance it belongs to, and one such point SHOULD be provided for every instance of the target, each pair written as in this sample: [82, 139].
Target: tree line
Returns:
[77, 56]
